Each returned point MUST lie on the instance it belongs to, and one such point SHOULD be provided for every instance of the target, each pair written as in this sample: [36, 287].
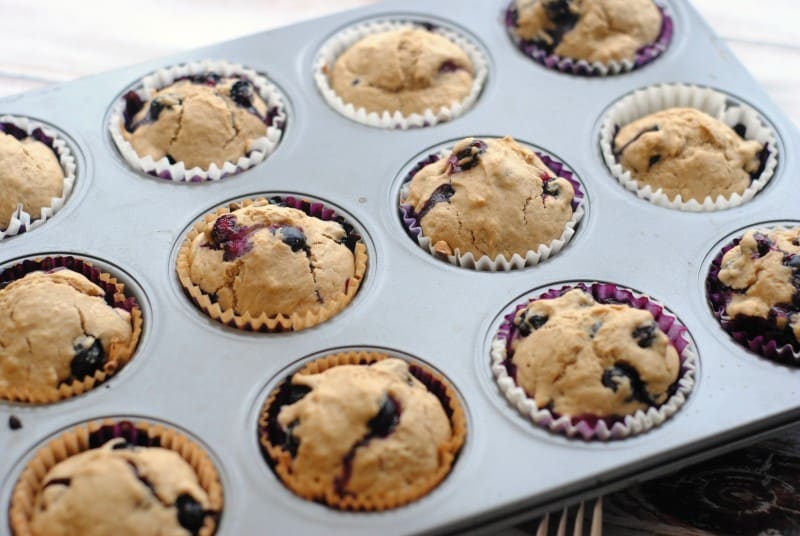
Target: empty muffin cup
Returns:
[398, 430]
[199, 121]
[629, 364]
[744, 126]
[434, 109]
[98, 327]
[197, 515]
[26, 201]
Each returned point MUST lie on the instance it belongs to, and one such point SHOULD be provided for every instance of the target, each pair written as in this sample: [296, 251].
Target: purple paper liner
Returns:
[125, 430]
[760, 336]
[643, 56]
[412, 225]
[605, 293]
[68, 262]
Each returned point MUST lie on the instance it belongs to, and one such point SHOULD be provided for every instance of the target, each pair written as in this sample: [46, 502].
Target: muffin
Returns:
[94, 334]
[594, 361]
[117, 479]
[490, 198]
[753, 290]
[271, 265]
[592, 30]
[409, 70]
[686, 152]
[230, 111]
[199, 120]
[362, 431]
[30, 175]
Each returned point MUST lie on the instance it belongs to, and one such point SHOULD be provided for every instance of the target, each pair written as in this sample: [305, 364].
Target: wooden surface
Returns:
[49, 41]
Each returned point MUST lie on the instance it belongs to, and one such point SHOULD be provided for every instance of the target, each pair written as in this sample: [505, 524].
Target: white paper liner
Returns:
[637, 423]
[22, 221]
[716, 104]
[259, 149]
[342, 40]
[501, 263]
[643, 56]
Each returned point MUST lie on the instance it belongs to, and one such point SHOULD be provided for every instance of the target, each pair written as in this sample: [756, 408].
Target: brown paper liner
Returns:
[81, 438]
[119, 354]
[263, 322]
[281, 461]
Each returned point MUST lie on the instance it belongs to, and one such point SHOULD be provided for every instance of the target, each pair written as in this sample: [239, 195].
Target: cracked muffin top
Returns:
[364, 431]
[56, 327]
[686, 152]
[591, 30]
[490, 197]
[30, 175]
[272, 259]
[409, 70]
[578, 357]
[200, 120]
[763, 271]
[121, 489]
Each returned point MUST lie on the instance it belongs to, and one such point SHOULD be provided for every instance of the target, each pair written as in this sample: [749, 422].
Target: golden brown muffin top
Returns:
[56, 327]
[271, 259]
[490, 197]
[30, 175]
[686, 152]
[579, 357]
[761, 267]
[409, 70]
[364, 430]
[591, 30]
[122, 490]
[199, 123]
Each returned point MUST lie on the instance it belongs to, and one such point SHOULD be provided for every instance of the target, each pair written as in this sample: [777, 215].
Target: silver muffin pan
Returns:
[209, 380]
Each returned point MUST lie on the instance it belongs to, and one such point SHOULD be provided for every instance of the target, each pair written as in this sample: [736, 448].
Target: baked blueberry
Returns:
[89, 357]
[242, 93]
[293, 237]
[191, 514]
[645, 335]
[386, 420]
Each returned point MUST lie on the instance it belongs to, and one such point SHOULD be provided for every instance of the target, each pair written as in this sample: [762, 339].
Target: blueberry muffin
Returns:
[754, 288]
[490, 197]
[198, 120]
[592, 30]
[683, 151]
[579, 358]
[30, 176]
[120, 489]
[362, 432]
[58, 329]
[408, 71]
[266, 259]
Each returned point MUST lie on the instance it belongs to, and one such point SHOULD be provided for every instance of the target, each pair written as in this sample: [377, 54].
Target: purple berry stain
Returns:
[232, 238]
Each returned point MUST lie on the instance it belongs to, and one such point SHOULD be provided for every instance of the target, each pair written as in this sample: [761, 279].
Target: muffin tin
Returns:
[209, 381]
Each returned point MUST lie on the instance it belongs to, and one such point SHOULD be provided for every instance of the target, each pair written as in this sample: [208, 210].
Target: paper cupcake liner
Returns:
[93, 435]
[344, 39]
[602, 428]
[500, 263]
[260, 148]
[730, 111]
[643, 56]
[281, 322]
[21, 128]
[118, 355]
[280, 461]
[760, 336]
